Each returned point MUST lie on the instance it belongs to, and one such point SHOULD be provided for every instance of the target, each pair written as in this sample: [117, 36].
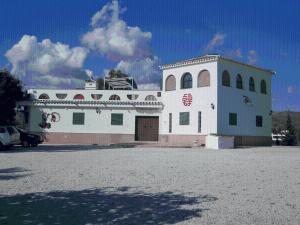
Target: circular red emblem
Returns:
[187, 99]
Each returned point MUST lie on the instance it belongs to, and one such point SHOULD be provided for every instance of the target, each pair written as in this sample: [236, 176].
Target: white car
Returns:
[9, 136]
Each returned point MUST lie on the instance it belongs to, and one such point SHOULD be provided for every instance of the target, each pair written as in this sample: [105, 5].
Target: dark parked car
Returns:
[29, 139]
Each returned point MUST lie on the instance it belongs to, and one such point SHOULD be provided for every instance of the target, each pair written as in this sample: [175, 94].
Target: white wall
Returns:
[94, 122]
[202, 99]
[230, 99]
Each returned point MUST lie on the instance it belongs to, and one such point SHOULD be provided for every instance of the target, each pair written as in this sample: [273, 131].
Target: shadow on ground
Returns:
[13, 173]
[100, 206]
[64, 148]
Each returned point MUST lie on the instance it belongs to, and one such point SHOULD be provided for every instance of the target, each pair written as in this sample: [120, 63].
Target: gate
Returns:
[146, 128]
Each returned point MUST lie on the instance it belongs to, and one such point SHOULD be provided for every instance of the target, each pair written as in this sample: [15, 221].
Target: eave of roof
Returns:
[210, 58]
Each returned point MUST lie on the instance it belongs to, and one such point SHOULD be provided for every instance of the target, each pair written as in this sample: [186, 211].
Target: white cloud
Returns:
[149, 86]
[37, 61]
[112, 37]
[144, 70]
[252, 57]
[218, 40]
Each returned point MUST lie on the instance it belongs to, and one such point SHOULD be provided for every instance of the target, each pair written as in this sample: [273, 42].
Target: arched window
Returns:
[132, 97]
[203, 79]
[44, 96]
[226, 78]
[150, 98]
[78, 97]
[114, 97]
[251, 84]
[96, 96]
[239, 82]
[186, 81]
[170, 83]
[263, 87]
[61, 96]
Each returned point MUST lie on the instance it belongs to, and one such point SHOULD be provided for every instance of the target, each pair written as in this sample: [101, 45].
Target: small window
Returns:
[232, 119]
[44, 96]
[150, 98]
[184, 118]
[158, 94]
[170, 83]
[251, 84]
[239, 82]
[170, 122]
[132, 97]
[226, 79]
[259, 121]
[186, 81]
[61, 96]
[114, 97]
[78, 97]
[117, 119]
[78, 118]
[203, 79]
[263, 87]
[199, 122]
[96, 96]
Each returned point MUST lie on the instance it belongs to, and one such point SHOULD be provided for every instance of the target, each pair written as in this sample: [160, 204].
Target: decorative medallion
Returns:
[187, 99]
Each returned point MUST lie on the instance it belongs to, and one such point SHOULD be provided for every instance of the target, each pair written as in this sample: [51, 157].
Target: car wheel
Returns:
[25, 144]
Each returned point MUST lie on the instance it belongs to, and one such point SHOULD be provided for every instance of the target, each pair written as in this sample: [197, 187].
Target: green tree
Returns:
[290, 138]
[10, 92]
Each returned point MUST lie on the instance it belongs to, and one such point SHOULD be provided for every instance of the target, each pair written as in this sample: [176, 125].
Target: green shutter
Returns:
[232, 119]
[116, 119]
[78, 118]
[184, 118]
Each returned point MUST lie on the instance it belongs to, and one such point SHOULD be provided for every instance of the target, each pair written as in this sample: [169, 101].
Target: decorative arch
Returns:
[132, 96]
[226, 78]
[150, 98]
[239, 81]
[170, 83]
[96, 96]
[61, 96]
[44, 96]
[203, 79]
[186, 81]
[251, 84]
[115, 97]
[78, 97]
[263, 87]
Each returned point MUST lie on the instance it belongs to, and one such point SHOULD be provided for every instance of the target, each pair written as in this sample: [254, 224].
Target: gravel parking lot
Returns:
[86, 185]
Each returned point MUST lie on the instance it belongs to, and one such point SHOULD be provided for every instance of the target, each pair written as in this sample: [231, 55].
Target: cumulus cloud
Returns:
[143, 70]
[252, 57]
[217, 40]
[46, 63]
[113, 38]
[149, 86]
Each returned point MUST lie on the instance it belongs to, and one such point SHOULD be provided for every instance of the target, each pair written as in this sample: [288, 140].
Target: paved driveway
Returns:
[86, 185]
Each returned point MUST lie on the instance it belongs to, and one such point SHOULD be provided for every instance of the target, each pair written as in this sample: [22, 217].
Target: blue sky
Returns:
[264, 33]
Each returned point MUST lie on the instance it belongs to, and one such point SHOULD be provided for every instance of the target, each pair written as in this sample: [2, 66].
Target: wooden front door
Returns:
[146, 128]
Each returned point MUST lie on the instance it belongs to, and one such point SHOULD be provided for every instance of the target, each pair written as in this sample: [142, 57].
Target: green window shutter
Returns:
[232, 119]
[116, 119]
[184, 118]
[78, 118]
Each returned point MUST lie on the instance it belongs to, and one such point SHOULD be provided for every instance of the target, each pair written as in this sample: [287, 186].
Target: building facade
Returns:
[200, 97]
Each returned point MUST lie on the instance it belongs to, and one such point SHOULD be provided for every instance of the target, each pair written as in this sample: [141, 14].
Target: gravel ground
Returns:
[84, 185]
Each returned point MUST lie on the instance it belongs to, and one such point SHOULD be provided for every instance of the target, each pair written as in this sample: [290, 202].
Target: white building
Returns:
[204, 97]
